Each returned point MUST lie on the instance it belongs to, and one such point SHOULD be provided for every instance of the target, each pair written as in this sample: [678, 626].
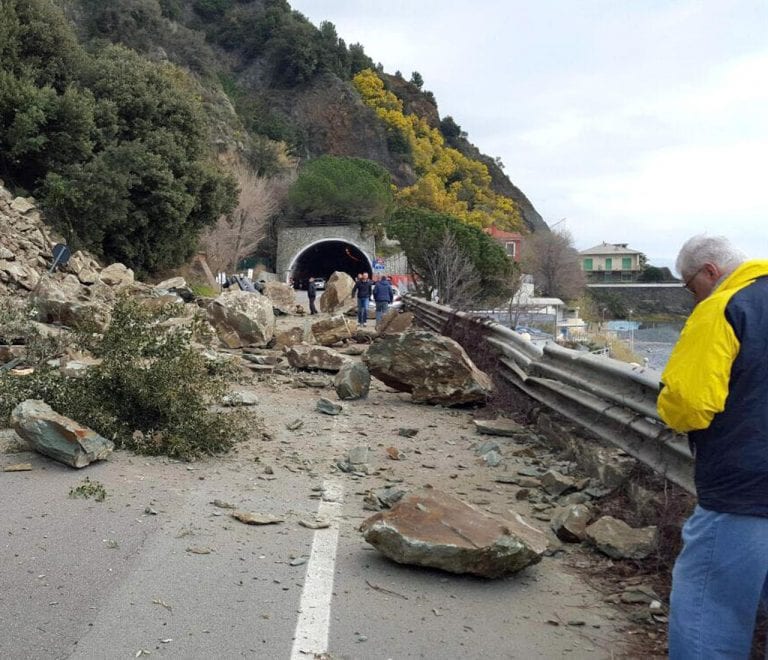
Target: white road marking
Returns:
[313, 626]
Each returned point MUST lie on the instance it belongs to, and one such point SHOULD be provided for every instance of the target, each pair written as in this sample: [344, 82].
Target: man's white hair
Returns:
[702, 249]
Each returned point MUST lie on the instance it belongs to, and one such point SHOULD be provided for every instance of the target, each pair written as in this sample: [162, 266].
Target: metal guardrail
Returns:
[611, 399]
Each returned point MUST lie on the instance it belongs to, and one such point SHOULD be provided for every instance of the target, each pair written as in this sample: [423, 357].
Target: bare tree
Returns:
[554, 263]
[238, 234]
[448, 270]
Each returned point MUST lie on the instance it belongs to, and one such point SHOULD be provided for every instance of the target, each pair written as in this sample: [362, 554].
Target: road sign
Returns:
[61, 255]
[379, 267]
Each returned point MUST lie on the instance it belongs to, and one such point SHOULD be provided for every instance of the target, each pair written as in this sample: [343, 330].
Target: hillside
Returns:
[273, 90]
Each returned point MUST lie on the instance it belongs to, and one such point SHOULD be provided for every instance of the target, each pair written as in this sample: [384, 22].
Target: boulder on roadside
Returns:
[353, 381]
[433, 368]
[302, 356]
[296, 335]
[432, 528]
[282, 295]
[241, 318]
[331, 330]
[570, 523]
[337, 296]
[500, 426]
[394, 322]
[327, 407]
[58, 437]
[616, 539]
[557, 484]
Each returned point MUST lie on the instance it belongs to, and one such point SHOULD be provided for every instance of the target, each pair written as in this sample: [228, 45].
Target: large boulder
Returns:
[618, 540]
[241, 318]
[57, 436]
[301, 356]
[67, 302]
[331, 330]
[337, 296]
[353, 381]
[433, 368]
[394, 322]
[117, 275]
[433, 528]
[18, 273]
[570, 523]
[293, 336]
[282, 295]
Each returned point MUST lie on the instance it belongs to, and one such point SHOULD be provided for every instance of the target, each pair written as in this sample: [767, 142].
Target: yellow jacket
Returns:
[695, 382]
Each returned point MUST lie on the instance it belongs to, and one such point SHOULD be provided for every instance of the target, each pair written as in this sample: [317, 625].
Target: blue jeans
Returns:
[381, 307]
[362, 310]
[717, 584]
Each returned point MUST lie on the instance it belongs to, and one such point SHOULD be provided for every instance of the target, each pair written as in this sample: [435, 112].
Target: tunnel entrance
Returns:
[325, 257]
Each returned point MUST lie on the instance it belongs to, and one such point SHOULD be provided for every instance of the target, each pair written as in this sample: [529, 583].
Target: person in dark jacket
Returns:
[311, 295]
[714, 388]
[362, 290]
[382, 296]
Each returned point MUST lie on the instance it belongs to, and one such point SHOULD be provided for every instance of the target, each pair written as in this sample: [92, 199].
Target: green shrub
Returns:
[151, 392]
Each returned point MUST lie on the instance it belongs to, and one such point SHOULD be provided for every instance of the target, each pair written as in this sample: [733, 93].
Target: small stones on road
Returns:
[328, 407]
[316, 523]
[256, 518]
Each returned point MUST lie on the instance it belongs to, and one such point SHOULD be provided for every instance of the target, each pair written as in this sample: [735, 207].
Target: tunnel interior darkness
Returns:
[322, 259]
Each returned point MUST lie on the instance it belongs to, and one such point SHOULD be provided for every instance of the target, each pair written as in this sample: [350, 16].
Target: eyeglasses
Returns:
[688, 282]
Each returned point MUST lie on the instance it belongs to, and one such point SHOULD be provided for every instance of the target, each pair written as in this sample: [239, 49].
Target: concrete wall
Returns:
[292, 241]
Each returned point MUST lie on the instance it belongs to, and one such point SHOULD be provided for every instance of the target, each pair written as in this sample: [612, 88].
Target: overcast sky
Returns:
[639, 121]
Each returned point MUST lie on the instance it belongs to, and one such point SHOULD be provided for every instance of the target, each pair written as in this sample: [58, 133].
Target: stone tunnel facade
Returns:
[293, 241]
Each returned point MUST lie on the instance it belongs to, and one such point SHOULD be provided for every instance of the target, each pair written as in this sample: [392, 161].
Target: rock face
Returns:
[241, 318]
[433, 368]
[282, 296]
[618, 540]
[302, 356]
[432, 528]
[353, 381]
[337, 296]
[332, 330]
[57, 436]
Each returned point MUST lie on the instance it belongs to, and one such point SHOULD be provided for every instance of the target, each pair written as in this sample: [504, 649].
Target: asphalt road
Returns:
[156, 570]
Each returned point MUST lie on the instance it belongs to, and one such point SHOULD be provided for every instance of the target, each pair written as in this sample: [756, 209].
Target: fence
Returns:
[613, 400]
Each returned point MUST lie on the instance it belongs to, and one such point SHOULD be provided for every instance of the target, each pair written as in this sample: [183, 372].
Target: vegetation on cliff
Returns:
[123, 117]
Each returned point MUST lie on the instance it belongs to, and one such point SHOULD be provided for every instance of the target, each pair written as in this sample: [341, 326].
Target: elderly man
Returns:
[715, 388]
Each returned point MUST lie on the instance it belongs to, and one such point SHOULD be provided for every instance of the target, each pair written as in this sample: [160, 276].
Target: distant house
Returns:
[611, 262]
[511, 241]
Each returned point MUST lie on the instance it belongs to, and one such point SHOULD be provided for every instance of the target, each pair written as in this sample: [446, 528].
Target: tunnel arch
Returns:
[322, 257]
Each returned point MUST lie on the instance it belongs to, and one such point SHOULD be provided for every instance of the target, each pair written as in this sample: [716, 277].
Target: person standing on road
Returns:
[714, 388]
[382, 296]
[362, 290]
[311, 295]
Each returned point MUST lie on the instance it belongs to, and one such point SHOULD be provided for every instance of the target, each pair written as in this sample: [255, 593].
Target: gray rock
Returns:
[557, 484]
[353, 381]
[301, 356]
[241, 318]
[337, 296]
[432, 528]
[282, 295]
[359, 455]
[327, 407]
[395, 322]
[57, 436]
[618, 540]
[116, 275]
[433, 368]
[331, 330]
[382, 498]
[499, 426]
[492, 458]
[570, 523]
